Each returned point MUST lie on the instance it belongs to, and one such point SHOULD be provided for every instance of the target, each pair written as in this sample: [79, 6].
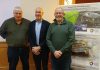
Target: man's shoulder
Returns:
[32, 23]
[26, 20]
[53, 24]
[7, 21]
[68, 23]
[45, 21]
[10, 19]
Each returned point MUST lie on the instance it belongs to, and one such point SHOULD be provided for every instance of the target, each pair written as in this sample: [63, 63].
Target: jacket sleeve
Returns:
[71, 38]
[43, 43]
[3, 30]
[30, 36]
[48, 38]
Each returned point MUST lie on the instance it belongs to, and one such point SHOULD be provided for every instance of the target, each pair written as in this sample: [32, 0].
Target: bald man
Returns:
[14, 30]
[37, 38]
[60, 37]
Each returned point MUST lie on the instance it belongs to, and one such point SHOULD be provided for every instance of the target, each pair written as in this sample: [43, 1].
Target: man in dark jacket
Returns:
[15, 31]
[37, 38]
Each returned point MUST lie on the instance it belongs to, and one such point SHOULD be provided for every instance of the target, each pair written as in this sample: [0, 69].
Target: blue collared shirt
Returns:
[37, 30]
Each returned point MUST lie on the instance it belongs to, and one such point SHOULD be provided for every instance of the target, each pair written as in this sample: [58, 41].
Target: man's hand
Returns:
[36, 50]
[60, 52]
[57, 54]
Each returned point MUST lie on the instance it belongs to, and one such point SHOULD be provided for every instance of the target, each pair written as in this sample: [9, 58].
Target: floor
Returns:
[4, 61]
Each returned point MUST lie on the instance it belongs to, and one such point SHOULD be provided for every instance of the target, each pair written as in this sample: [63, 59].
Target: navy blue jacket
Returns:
[43, 33]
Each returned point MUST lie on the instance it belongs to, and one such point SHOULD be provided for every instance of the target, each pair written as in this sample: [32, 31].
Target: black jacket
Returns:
[43, 33]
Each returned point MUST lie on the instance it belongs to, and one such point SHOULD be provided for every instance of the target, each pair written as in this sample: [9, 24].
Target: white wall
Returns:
[28, 7]
[48, 6]
[6, 7]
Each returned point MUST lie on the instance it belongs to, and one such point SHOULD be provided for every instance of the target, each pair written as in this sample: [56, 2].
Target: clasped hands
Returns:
[57, 54]
[36, 50]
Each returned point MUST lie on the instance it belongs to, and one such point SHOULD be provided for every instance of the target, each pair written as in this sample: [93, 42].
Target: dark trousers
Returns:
[13, 57]
[41, 61]
[63, 63]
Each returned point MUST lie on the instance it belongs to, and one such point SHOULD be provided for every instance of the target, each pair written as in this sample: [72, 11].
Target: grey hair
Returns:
[17, 8]
[60, 9]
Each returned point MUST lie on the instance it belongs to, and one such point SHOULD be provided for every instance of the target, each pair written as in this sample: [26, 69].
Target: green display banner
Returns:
[71, 16]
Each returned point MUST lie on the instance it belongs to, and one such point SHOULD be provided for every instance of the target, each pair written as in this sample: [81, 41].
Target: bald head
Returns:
[39, 9]
[38, 13]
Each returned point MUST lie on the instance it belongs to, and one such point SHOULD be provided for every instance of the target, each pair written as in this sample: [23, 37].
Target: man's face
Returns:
[59, 14]
[38, 14]
[18, 15]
